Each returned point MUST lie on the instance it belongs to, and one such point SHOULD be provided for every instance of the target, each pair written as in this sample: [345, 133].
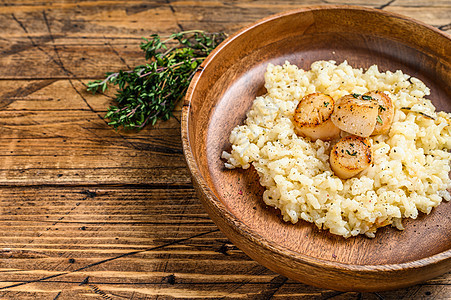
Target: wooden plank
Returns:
[60, 121]
[173, 287]
[438, 17]
[55, 42]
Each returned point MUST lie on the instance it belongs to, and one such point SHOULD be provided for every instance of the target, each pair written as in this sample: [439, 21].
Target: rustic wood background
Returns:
[90, 213]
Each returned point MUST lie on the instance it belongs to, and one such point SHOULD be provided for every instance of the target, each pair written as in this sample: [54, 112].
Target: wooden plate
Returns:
[223, 91]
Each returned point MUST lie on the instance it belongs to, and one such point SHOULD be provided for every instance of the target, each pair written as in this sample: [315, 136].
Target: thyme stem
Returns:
[150, 92]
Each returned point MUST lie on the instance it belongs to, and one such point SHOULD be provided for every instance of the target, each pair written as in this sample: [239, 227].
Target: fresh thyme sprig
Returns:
[150, 92]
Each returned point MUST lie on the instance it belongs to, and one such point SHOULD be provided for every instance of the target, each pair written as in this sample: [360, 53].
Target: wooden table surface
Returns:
[90, 213]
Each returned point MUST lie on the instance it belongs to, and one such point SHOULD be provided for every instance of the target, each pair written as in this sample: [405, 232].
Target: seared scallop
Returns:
[385, 112]
[350, 156]
[312, 117]
[356, 114]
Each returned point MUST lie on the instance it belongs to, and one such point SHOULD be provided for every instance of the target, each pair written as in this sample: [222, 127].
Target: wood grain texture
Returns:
[90, 213]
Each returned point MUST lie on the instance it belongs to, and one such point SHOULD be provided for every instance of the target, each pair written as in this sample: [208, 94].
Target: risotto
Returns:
[411, 163]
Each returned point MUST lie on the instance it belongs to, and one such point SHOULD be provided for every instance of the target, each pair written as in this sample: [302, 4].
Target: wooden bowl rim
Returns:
[236, 223]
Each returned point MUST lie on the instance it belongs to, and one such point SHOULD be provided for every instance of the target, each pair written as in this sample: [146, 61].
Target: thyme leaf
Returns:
[352, 154]
[418, 112]
[379, 120]
[150, 91]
